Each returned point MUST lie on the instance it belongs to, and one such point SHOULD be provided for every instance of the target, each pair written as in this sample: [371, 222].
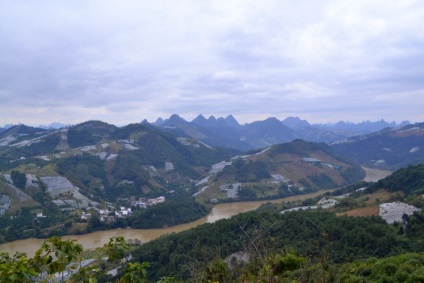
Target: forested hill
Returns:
[281, 170]
[107, 162]
[300, 245]
[409, 180]
[318, 236]
[66, 174]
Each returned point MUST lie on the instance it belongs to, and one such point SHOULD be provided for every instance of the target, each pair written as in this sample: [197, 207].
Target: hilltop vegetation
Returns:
[282, 170]
[301, 246]
[287, 266]
[106, 163]
[99, 158]
[64, 175]
[409, 180]
[312, 235]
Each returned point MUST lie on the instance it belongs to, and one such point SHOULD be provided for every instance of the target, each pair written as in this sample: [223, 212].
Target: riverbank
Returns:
[99, 238]
[219, 211]
[373, 174]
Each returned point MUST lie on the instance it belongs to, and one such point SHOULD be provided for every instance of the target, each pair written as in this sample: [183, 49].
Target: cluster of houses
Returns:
[105, 214]
[143, 202]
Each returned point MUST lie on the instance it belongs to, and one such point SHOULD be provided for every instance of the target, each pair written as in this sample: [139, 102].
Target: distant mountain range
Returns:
[390, 148]
[51, 126]
[227, 132]
[230, 134]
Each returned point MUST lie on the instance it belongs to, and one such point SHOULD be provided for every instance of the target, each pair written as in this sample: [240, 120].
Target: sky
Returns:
[125, 61]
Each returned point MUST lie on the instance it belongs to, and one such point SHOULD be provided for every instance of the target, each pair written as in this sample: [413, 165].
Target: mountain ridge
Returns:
[389, 148]
[228, 132]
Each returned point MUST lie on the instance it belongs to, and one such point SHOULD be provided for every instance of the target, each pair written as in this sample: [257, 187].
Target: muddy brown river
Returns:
[220, 211]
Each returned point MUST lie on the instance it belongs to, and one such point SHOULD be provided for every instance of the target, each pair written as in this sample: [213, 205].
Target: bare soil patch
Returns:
[364, 211]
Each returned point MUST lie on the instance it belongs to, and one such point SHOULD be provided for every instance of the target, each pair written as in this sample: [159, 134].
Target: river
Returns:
[219, 211]
[373, 175]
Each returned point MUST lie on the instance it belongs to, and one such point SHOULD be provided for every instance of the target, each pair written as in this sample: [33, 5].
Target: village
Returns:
[109, 215]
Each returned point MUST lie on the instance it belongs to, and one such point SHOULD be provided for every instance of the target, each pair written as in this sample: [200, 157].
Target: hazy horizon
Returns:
[206, 117]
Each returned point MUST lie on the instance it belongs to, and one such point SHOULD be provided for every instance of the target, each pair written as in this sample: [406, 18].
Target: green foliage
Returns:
[322, 181]
[259, 192]
[170, 213]
[247, 171]
[247, 193]
[410, 180]
[89, 133]
[17, 269]
[218, 271]
[407, 267]
[349, 189]
[135, 272]
[352, 174]
[116, 248]
[313, 234]
[300, 147]
[48, 146]
[19, 179]
[24, 225]
[85, 171]
[129, 167]
[57, 256]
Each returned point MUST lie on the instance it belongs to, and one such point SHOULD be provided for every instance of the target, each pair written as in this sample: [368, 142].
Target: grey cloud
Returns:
[136, 60]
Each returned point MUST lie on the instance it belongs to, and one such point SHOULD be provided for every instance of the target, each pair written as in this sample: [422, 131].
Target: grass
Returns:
[49, 170]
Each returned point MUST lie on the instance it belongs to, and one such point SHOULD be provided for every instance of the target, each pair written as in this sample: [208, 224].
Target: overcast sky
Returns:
[125, 61]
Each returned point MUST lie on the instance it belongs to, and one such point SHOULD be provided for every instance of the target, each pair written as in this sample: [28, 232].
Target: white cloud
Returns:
[129, 60]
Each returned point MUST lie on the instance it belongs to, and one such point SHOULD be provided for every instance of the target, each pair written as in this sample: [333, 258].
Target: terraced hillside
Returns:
[278, 171]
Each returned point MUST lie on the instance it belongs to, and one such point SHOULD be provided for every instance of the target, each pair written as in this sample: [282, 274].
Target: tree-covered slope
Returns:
[93, 166]
[282, 170]
[317, 235]
[106, 161]
[409, 180]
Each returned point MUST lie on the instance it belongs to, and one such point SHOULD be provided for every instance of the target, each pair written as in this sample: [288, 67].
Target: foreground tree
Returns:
[61, 261]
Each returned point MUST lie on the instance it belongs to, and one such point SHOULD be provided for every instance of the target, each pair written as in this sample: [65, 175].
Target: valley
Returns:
[219, 211]
[94, 181]
[96, 176]
[99, 238]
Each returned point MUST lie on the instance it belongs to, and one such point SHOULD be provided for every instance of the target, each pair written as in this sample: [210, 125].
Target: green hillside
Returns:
[68, 173]
[266, 245]
[319, 238]
[281, 170]
[409, 180]
[101, 159]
